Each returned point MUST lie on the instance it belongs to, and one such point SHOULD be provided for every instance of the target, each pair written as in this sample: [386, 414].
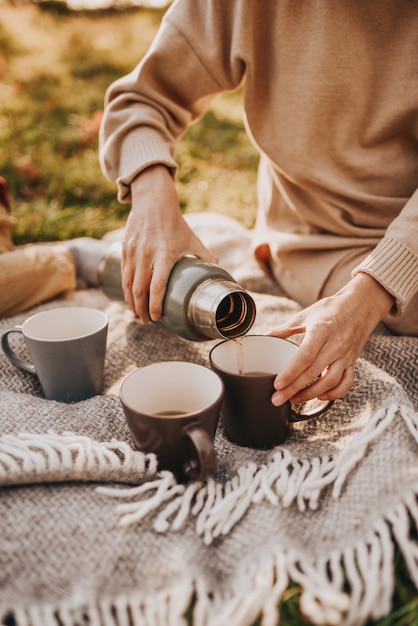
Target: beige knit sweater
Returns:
[331, 103]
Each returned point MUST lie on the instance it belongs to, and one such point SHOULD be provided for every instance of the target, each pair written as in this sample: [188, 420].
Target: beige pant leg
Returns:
[405, 324]
[33, 274]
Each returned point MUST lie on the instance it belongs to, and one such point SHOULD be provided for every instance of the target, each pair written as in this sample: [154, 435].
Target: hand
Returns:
[156, 237]
[336, 329]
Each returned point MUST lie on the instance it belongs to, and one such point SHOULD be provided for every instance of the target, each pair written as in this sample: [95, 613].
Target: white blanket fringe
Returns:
[366, 567]
[167, 608]
[259, 587]
[30, 458]
[368, 570]
[285, 480]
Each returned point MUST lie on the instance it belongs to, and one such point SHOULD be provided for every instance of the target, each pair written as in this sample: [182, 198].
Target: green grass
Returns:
[54, 68]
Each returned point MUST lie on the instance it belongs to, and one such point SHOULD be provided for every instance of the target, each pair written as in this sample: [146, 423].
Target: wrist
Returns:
[370, 293]
[152, 189]
[154, 196]
[148, 177]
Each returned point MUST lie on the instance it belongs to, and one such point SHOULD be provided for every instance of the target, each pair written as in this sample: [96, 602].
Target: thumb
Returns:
[285, 331]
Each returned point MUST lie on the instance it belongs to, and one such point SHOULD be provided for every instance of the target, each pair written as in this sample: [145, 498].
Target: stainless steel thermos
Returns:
[202, 300]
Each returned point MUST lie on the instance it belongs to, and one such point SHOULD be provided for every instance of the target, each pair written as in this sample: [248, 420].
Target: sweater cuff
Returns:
[136, 158]
[395, 266]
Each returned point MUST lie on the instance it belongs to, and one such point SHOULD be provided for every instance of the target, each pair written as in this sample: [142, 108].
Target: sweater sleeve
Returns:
[148, 110]
[394, 261]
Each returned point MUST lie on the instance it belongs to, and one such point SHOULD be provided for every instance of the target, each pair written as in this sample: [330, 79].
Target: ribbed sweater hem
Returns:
[395, 266]
[137, 157]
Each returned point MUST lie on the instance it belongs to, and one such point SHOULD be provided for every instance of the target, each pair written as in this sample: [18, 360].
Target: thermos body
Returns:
[202, 300]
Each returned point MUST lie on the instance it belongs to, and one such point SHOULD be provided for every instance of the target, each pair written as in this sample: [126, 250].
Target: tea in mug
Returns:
[257, 374]
[169, 413]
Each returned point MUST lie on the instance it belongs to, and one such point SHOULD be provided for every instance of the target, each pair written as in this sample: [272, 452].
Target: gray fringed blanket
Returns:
[92, 534]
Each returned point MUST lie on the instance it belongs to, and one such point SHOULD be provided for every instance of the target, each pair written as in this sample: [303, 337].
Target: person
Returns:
[330, 98]
[34, 273]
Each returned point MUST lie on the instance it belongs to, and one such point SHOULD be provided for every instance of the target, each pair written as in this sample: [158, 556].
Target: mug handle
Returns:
[310, 408]
[11, 354]
[206, 464]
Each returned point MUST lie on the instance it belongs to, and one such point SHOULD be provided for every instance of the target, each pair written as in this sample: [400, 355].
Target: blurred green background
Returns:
[55, 65]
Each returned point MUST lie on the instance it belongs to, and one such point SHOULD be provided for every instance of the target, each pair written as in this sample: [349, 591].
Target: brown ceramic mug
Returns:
[172, 409]
[248, 367]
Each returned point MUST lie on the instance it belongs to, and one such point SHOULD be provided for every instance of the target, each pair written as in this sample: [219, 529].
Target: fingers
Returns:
[333, 383]
[160, 274]
[306, 366]
[157, 288]
[146, 270]
[136, 280]
[287, 332]
[137, 267]
[336, 330]
[345, 384]
[144, 282]
[156, 281]
[157, 236]
[322, 368]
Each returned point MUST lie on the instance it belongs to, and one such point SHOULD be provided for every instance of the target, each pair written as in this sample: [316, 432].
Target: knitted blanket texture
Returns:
[93, 534]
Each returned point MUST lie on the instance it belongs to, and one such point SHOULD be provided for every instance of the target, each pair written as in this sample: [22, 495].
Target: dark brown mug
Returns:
[172, 409]
[248, 367]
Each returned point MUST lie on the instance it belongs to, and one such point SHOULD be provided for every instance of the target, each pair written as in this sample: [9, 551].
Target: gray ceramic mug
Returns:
[172, 409]
[67, 348]
[248, 367]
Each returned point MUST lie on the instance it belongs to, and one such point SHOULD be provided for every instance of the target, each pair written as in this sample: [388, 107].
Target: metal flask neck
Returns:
[221, 308]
